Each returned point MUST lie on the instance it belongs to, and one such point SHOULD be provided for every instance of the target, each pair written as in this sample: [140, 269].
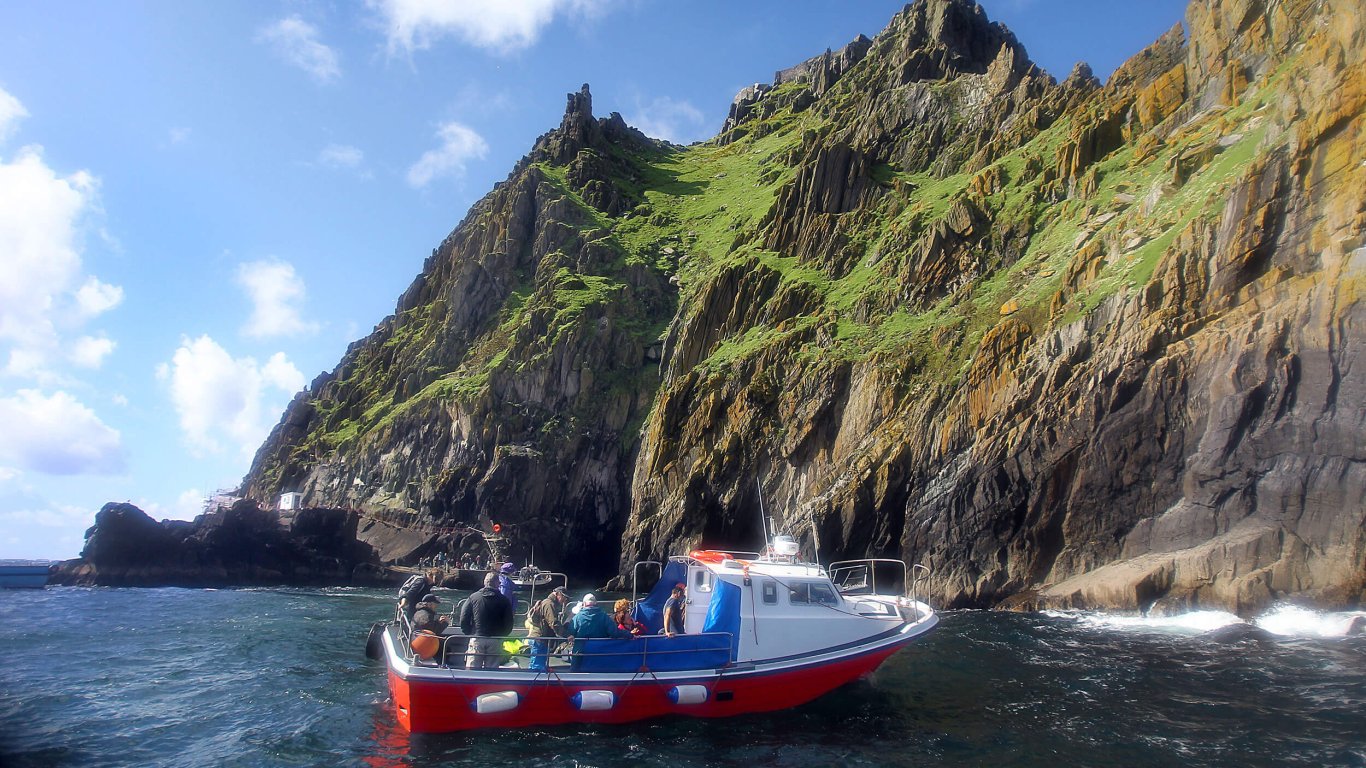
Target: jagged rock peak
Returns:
[579, 130]
[946, 37]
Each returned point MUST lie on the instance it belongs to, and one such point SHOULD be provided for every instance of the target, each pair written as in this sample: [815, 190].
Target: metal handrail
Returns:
[869, 562]
[916, 571]
[439, 659]
[635, 576]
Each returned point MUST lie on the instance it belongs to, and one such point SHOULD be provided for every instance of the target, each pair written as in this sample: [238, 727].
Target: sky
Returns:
[203, 203]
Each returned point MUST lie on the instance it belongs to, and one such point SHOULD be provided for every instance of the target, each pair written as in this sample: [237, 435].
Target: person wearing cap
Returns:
[592, 621]
[425, 617]
[486, 619]
[545, 619]
[505, 584]
[674, 613]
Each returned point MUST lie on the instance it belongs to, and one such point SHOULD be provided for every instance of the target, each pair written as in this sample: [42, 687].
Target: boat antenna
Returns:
[816, 539]
[763, 527]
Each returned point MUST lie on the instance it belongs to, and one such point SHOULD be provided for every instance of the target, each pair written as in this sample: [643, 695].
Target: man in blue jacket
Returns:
[592, 621]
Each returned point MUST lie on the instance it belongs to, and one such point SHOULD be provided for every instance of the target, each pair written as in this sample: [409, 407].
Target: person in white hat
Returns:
[592, 621]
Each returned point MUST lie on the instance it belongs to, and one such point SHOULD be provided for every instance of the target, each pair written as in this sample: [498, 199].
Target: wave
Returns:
[1282, 620]
[1294, 621]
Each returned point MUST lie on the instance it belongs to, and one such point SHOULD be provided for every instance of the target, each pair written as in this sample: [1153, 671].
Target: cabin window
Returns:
[770, 591]
[701, 580]
[811, 593]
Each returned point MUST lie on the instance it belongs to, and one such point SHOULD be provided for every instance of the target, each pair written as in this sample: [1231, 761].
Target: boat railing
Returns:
[919, 573]
[635, 577]
[860, 576]
[657, 653]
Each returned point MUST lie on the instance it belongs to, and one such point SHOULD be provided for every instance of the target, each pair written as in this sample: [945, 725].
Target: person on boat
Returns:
[486, 619]
[426, 616]
[417, 585]
[592, 621]
[621, 614]
[674, 614]
[505, 584]
[545, 619]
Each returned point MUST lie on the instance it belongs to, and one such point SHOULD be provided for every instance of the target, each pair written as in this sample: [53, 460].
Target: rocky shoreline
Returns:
[237, 546]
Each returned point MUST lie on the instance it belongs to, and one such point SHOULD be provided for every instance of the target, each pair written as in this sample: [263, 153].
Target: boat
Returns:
[531, 576]
[24, 574]
[766, 631]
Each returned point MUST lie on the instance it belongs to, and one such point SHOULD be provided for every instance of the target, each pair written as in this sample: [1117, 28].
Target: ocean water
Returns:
[278, 677]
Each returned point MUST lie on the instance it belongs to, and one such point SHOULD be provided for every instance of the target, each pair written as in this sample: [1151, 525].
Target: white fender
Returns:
[688, 694]
[591, 700]
[502, 701]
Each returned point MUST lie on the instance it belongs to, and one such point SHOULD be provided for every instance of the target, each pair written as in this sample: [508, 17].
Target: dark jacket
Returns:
[415, 588]
[426, 618]
[544, 619]
[593, 622]
[486, 614]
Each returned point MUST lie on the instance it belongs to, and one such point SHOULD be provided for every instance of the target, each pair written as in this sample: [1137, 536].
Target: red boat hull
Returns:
[432, 706]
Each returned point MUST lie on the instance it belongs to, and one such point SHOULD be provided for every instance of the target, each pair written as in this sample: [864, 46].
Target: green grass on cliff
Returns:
[702, 210]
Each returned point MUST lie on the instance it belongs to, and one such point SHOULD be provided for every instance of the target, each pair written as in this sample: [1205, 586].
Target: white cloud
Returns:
[11, 112]
[219, 398]
[497, 25]
[95, 298]
[340, 156]
[296, 41]
[43, 294]
[90, 351]
[458, 145]
[179, 135]
[277, 294]
[56, 516]
[664, 118]
[57, 435]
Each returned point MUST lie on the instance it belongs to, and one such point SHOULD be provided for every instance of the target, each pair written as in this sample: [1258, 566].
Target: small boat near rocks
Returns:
[766, 631]
[24, 574]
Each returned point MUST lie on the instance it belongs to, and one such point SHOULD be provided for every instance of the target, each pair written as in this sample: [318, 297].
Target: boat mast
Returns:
[763, 526]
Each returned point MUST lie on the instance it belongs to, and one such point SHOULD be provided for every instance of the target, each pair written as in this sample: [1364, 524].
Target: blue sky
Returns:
[202, 204]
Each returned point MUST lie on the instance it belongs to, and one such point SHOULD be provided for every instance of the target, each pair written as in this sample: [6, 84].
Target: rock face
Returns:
[241, 545]
[1066, 344]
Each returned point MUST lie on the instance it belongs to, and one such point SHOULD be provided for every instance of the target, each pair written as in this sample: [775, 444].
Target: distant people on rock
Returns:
[486, 619]
[412, 591]
[674, 614]
[426, 616]
[621, 614]
[505, 584]
[545, 619]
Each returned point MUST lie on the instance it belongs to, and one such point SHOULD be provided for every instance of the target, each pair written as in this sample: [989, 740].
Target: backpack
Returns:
[413, 588]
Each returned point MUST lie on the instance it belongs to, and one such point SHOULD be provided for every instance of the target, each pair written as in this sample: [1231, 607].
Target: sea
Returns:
[278, 677]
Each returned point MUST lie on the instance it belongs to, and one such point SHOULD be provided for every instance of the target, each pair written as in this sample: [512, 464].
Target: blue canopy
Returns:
[650, 611]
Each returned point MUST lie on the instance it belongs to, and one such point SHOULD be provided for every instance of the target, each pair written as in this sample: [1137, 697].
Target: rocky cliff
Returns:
[235, 546]
[1068, 344]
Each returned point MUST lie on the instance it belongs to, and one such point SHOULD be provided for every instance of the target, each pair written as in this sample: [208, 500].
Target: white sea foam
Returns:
[1294, 621]
[1282, 620]
[1195, 622]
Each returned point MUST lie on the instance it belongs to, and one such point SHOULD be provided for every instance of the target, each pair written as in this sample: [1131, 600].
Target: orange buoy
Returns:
[426, 644]
[708, 556]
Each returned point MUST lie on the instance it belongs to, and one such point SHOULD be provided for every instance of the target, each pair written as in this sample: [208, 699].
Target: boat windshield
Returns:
[811, 592]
